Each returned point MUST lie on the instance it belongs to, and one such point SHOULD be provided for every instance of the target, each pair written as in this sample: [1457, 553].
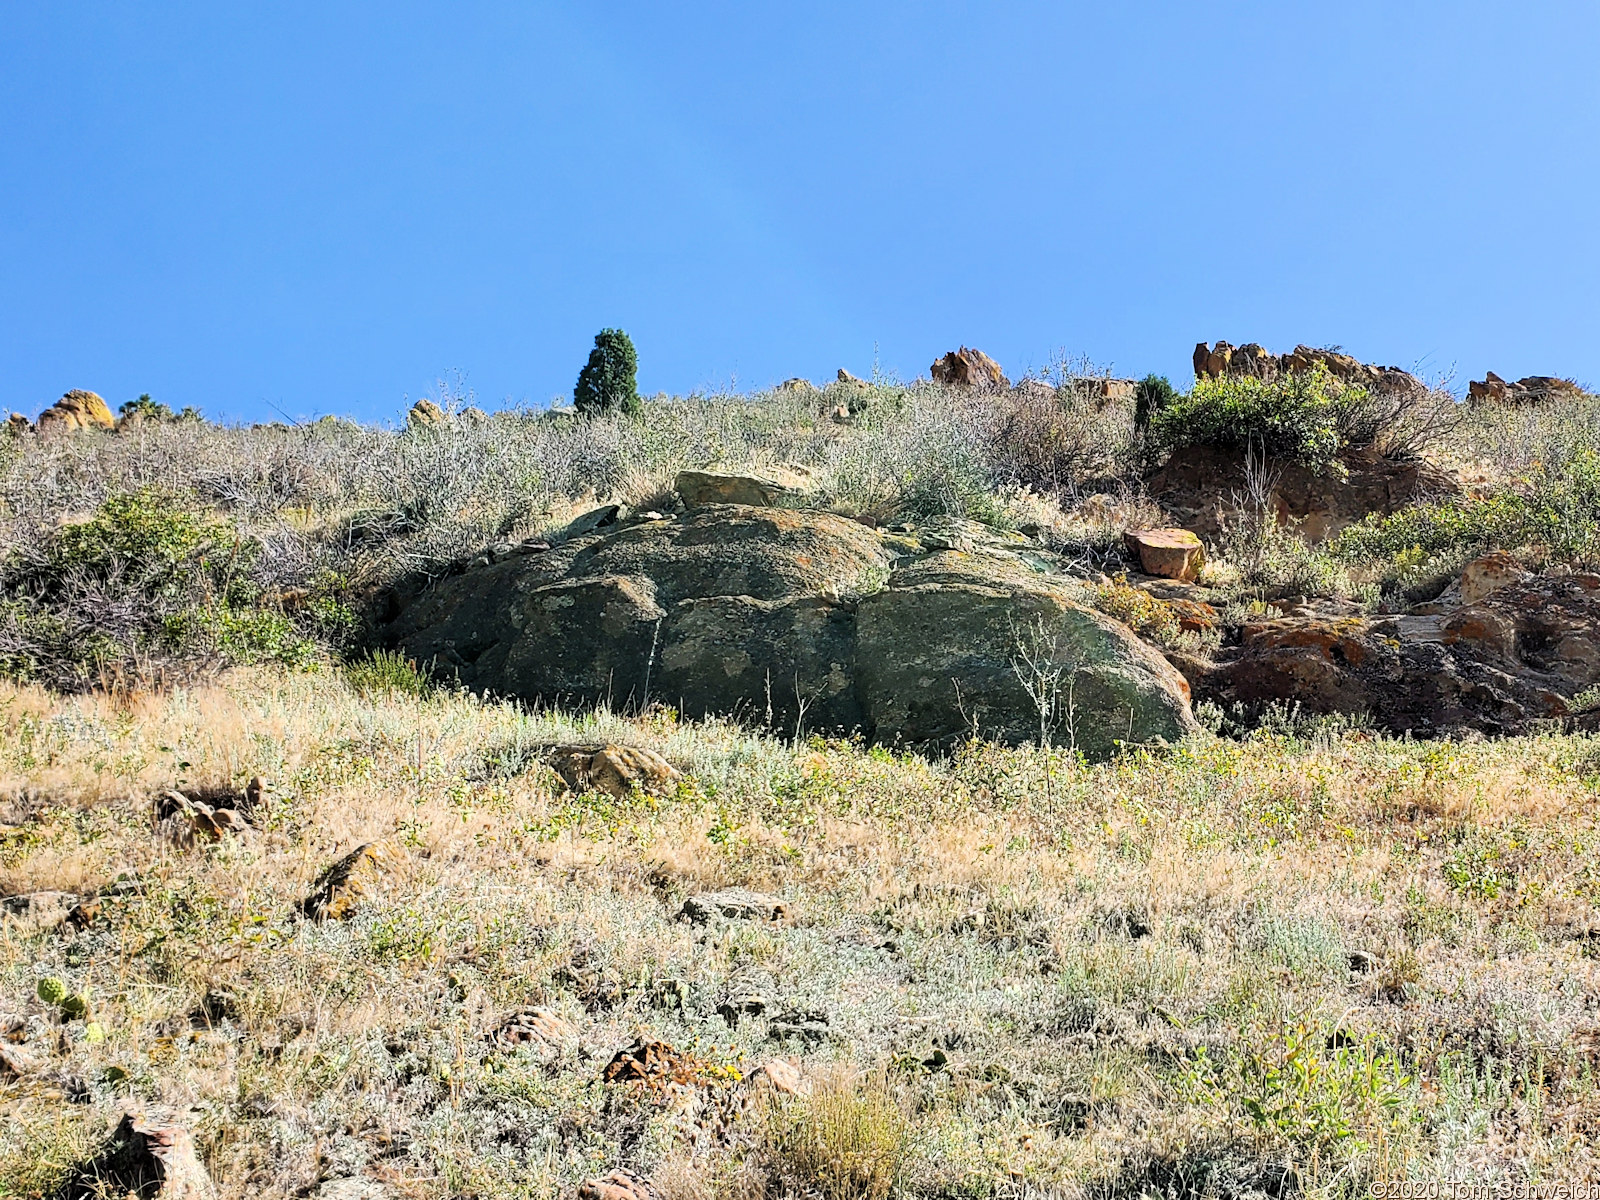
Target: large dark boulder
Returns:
[801, 621]
[956, 642]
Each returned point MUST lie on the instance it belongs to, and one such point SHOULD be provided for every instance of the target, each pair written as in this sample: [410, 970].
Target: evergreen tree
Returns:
[608, 380]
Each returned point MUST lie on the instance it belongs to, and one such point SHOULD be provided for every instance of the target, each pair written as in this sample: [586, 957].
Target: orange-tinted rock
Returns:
[1491, 389]
[967, 367]
[1168, 553]
[620, 1184]
[1251, 359]
[777, 1075]
[77, 410]
[1195, 616]
[425, 413]
[1212, 361]
[1516, 657]
[655, 1062]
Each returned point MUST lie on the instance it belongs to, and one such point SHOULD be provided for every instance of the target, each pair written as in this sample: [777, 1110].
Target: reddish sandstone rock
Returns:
[620, 1184]
[1491, 389]
[1517, 657]
[1168, 553]
[1194, 616]
[969, 368]
[1203, 488]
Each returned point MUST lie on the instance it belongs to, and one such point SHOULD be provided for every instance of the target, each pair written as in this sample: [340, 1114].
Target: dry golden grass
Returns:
[1135, 978]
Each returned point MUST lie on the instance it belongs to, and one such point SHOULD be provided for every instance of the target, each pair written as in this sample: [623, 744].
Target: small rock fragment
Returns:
[341, 888]
[425, 413]
[809, 1026]
[184, 821]
[353, 1188]
[736, 904]
[533, 1026]
[596, 518]
[149, 1155]
[1482, 577]
[1169, 553]
[650, 1061]
[698, 488]
[778, 1075]
[615, 770]
[620, 1184]
[969, 368]
[15, 1063]
[36, 912]
[742, 1003]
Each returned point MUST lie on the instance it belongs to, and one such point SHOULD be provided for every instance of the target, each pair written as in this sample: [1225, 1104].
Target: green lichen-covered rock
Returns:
[954, 643]
[694, 611]
[803, 622]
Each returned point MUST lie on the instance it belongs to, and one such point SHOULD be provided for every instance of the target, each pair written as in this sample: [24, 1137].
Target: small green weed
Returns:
[387, 673]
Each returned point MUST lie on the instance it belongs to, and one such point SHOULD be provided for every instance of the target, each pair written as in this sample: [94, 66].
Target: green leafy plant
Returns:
[1556, 509]
[1151, 395]
[1301, 1085]
[608, 381]
[144, 408]
[1308, 417]
[73, 1006]
[145, 575]
[387, 673]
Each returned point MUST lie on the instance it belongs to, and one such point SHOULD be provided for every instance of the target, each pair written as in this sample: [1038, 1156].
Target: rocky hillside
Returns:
[1074, 786]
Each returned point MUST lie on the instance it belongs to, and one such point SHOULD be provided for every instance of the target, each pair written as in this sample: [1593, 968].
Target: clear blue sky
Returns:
[320, 207]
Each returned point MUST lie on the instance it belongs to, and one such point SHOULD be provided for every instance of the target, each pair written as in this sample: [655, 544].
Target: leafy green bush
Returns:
[608, 381]
[144, 583]
[146, 409]
[1151, 395]
[1555, 511]
[1306, 416]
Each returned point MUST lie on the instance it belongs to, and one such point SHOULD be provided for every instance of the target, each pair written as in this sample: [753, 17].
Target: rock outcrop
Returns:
[696, 488]
[1206, 488]
[424, 414]
[1530, 389]
[1518, 655]
[149, 1155]
[77, 410]
[802, 619]
[1224, 359]
[954, 643]
[971, 368]
[618, 771]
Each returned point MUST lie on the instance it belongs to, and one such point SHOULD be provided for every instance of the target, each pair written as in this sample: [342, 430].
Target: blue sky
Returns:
[309, 208]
